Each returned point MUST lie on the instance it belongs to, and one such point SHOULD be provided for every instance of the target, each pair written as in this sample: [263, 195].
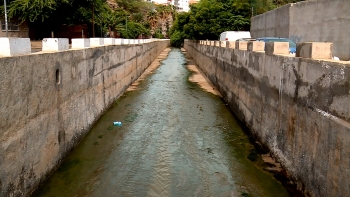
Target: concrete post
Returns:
[222, 43]
[109, 41]
[314, 50]
[95, 42]
[15, 46]
[274, 48]
[80, 43]
[212, 43]
[217, 43]
[256, 46]
[241, 45]
[231, 44]
[118, 41]
[55, 44]
[125, 41]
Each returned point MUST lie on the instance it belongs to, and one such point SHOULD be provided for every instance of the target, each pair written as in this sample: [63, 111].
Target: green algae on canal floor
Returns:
[175, 140]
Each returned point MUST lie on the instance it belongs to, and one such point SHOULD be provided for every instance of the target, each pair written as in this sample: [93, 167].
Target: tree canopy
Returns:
[208, 18]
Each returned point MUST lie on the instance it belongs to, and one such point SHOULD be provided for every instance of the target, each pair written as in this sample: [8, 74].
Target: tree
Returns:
[135, 30]
[152, 18]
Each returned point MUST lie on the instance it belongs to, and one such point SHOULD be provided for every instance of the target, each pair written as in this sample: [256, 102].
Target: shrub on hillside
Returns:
[176, 39]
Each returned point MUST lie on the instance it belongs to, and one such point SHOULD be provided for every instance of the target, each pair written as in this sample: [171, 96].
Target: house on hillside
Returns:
[16, 28]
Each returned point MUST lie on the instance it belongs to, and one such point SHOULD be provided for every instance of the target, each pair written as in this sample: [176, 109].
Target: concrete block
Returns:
[126, 41]
[212, 43]
[80, 43]
[55, 44]
[315, 50]
[256, 46]
[118, 41]
[95, 42]
[141, 41]
[222, 43]
[109, 41]
[14, 46]
[241, 45]
[217, 43]
[274, 48]
[231, 44]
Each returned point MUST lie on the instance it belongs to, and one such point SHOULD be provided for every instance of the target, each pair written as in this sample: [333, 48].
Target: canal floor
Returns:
[175, 140]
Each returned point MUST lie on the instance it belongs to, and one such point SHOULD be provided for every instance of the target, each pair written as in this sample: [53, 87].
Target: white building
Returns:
[181, 5]
[163, 2]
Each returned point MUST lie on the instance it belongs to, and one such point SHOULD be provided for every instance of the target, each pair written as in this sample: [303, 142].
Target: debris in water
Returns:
[117, 123]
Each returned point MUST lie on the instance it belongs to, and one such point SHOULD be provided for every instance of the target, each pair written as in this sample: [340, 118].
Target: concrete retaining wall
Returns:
[309, 21]
[49, 101]
[298, 107]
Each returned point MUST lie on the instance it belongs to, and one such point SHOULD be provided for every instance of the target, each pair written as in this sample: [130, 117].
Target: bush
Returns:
[134, 30]
[158, 35]
[176, 39]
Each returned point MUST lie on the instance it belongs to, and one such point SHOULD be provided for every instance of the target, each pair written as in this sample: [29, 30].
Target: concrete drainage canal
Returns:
[177, 138]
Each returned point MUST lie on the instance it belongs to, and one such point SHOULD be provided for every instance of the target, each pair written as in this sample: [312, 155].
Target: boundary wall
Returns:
[308, 21]
[49, 101]
[298, 107]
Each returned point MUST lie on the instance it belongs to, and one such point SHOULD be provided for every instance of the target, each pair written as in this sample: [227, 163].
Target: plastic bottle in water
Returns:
[117, 123]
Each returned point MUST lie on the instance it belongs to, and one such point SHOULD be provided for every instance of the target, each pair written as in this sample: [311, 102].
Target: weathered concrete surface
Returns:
[309, 21]
[314, 50]
[43, 118]
[299, 108]
[275, 48]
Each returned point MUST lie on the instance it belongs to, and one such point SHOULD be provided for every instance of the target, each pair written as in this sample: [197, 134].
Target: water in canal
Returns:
[175, 140]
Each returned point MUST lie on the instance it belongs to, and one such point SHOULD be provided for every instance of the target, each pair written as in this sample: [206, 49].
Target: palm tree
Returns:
[152, 18]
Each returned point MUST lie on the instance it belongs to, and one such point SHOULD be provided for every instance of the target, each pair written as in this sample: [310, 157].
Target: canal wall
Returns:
[298, 107]
[49, 101]
[308, 21]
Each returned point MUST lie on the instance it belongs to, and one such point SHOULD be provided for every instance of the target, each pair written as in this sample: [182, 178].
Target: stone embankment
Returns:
[50, 100]
[299, 107]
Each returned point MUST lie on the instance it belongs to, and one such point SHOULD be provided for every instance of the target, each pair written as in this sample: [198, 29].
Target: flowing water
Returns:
[175, 140]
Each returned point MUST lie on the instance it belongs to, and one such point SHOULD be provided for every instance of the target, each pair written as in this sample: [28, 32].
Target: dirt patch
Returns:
[154, 65]
[198, 76]
[271, 164]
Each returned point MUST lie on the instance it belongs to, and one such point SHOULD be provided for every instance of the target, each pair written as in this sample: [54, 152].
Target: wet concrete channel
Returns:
[175, 140]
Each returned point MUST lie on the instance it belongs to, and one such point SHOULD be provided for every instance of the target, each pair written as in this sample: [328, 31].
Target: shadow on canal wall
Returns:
[49, 101]
[298, 107]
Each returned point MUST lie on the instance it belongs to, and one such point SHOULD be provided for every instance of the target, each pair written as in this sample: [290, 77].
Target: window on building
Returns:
[12, 26]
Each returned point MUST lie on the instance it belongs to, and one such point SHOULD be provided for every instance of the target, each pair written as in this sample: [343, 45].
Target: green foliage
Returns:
[134, 6]
[208, 18]
[33, 9]
[158, 34]
[134, 30]
[176, 39]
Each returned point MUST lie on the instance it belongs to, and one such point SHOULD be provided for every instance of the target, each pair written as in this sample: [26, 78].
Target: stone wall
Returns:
[299, 108]
[49, 101]
[309, 21]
